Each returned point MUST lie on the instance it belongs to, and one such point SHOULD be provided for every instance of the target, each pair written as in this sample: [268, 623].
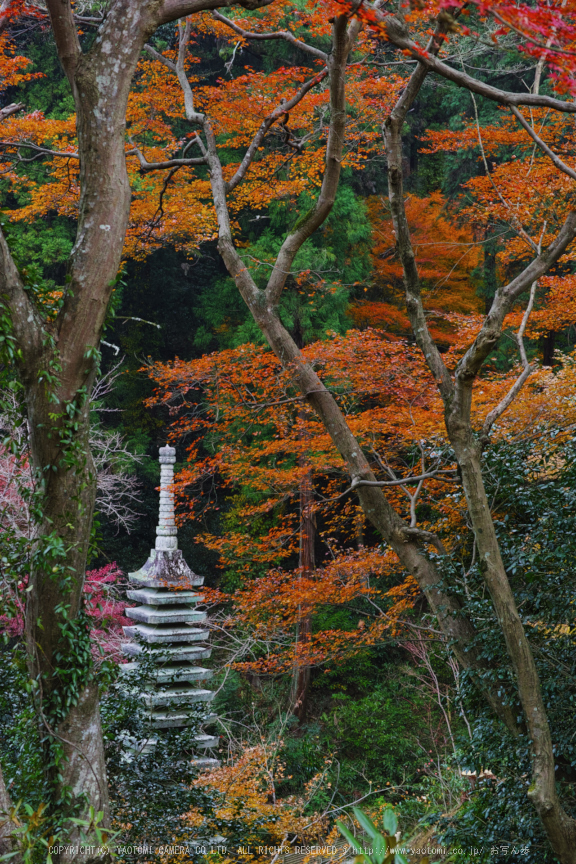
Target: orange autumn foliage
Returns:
[246, 431]
[447, 253]
[247, 789]
[523, 190]
[176, 208]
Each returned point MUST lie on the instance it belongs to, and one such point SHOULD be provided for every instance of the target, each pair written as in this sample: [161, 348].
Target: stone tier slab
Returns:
[171, 674]
[168, 653]
[161, 615]
[204, 741]
[205, 764]
[176, 719]
[173, 696]
[150, 633]
[159, 597]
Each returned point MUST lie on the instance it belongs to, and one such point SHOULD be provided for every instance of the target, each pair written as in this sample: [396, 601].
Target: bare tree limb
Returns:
[172, 10]
[471, 363]
[542, 145]
[393, 138]
[10, 109]
[41, 151]
[146, 166]
[308, 223]
[398, 34]
[65, 35]
[402, 481]
[527, 370]
[156, 55]
[267, 124]
[184, 35]
[278, 34]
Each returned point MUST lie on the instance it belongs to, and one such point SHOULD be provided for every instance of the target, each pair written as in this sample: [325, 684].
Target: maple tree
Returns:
[455, 386]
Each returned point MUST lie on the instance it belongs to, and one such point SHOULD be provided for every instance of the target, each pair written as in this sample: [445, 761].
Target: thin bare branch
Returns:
[41, 151]
[268, 123]
[542, 145]
[278, 34]
[159, 57]
[470, 364]
[527, 370]
[398, 34]
[146, 166]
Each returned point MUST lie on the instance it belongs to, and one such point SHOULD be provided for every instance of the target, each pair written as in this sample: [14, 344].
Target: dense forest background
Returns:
[335, 684]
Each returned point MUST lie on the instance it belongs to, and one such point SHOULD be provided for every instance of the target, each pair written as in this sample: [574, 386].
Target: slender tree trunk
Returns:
[560, 828]
[457, 397]
[548, 346]
[307, 564]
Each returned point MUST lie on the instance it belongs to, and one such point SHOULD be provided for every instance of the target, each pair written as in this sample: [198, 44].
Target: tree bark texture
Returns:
[6, 845]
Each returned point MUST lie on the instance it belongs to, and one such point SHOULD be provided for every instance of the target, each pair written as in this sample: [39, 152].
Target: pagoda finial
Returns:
[166, 566]
[166, 532]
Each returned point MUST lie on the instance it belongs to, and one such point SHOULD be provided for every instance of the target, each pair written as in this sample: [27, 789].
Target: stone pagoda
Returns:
[165, 624]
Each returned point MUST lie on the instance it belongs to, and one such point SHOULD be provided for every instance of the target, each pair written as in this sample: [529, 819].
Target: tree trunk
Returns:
[307, 564]
[548, 346]
[457, 398]
[560, 828]
[6, 844]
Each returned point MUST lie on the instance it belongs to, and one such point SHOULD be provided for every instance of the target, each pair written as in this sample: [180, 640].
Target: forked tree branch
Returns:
[268, 123]
[393, 138]
[404, 540]
[304, 227]
[472, 361]
[527, 370]
[192, 115]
